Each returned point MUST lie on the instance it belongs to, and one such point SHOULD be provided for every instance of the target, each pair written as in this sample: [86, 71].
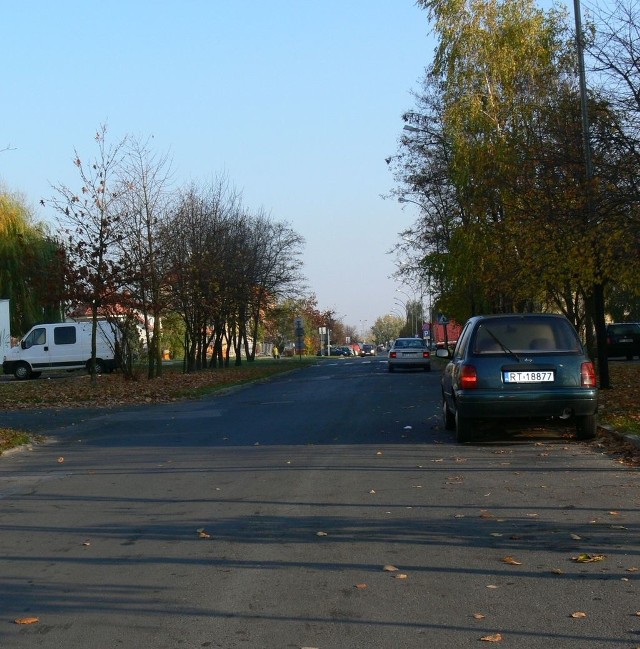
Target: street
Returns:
[326, 508]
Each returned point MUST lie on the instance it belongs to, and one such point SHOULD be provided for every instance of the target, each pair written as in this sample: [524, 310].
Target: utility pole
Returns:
[598, 286]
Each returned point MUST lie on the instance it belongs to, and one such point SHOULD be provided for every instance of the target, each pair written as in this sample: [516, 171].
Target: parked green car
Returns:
[518, 366]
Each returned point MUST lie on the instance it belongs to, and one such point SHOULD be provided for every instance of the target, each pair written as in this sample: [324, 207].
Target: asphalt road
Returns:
[264, 518]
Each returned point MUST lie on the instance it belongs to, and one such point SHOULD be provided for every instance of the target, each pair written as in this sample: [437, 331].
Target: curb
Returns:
[634, 440]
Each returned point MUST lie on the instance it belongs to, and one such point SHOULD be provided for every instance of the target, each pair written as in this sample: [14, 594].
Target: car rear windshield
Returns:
[627, 328]
[411, 343]
[534, 334]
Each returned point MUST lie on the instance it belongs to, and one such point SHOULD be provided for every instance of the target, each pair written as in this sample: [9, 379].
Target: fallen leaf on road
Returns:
[389, 568]
[496, 637]
[578, 614]
[203, 534]
[575, 537]
[372, 491]
[632, 569]
[60, 460]
[321, 534]
[556, 571]
[401, 575]
[27, 620]
[588, 558]
[511, 561]
[361, 586]
[492, 586]
[478, 616]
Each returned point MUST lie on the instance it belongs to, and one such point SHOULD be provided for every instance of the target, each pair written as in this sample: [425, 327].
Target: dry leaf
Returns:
[60, 460]
[27, 620]
[401, 575]
[321, 534]
[361, 586]
[496, 637]
[575, 537]
[614, 513]
[511, 561]
[389, 568]
[372, 491]
[87, 542]
[556, 571]
[492, 586]
[588, 558]
[578, 614]
[632, 569]
[203, 534]
[478, 616]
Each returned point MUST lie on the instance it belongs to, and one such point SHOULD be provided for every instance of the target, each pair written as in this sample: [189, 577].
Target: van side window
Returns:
[36, 337]
[64, 335]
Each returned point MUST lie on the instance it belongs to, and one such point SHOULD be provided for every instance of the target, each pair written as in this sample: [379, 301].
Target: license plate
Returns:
[544, 376]
[626, 340]
[409, 354]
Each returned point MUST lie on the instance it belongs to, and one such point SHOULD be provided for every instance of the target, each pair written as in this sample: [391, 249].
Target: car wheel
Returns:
[447, 416]
[464, 428]
[22, 371]
[586, 427]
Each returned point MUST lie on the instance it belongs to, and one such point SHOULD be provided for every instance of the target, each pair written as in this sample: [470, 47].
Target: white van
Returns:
[61, 346]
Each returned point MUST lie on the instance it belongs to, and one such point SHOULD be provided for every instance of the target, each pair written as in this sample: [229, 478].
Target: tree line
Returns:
[492, 154]
[130, 246]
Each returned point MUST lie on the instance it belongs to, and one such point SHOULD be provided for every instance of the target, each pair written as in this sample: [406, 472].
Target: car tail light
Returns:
[392, 355]
[468, 377]
[588, 375]
[425, 354]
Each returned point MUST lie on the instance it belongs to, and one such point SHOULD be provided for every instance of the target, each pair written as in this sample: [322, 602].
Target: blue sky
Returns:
[297, 102]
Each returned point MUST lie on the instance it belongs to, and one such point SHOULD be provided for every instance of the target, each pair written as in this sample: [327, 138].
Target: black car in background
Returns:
[623, 339]
[367, 350]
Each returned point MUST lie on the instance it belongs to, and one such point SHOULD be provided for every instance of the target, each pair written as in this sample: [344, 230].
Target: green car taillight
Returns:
[588, 375]
[468, 377]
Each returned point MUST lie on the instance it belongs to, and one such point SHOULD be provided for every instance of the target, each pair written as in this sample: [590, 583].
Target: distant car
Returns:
[623, 339]
[518, 366]
[409, 353]
[367, 350]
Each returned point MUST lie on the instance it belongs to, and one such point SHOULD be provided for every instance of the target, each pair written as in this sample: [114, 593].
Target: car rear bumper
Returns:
[399, 363]
[529, 404]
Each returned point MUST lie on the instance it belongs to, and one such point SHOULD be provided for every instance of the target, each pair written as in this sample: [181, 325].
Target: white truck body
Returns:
[61, 346]
[5, 329]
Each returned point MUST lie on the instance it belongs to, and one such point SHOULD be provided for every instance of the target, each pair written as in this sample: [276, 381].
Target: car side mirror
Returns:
[443, 353]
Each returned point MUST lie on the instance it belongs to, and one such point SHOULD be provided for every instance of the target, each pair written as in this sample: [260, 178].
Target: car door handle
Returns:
[46, 349]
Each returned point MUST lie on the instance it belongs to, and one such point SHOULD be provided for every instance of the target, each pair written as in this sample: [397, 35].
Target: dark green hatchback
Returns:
[528, 366]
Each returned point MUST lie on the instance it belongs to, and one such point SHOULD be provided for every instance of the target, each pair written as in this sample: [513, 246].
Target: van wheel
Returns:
[99, 366]
[22, 371]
